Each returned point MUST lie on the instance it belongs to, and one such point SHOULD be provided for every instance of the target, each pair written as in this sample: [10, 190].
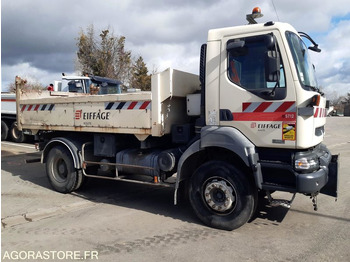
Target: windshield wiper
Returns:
[313, 88]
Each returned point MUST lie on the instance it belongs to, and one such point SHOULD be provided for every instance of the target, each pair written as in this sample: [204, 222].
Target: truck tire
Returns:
[4, 130]
[60, 170]
[16, 135]
[81, 180]
[221, 195]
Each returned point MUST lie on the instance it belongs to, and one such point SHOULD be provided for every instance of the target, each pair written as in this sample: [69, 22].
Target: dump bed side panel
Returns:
[111, 113]
[145, 113]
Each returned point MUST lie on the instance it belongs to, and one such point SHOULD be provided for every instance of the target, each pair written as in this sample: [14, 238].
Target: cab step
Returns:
[279, 202]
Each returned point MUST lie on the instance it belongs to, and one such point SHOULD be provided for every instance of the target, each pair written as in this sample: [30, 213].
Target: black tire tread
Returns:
[14, 134]
[73, 180]
[4, 130]
[246, 199]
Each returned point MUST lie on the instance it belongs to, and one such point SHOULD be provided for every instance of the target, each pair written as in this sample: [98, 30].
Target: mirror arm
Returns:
[313, 48]
[272, 93]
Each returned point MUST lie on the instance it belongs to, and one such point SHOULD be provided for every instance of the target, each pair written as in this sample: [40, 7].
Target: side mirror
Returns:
[315, 48]
[234, 45]
[272, 66]
[237, 48]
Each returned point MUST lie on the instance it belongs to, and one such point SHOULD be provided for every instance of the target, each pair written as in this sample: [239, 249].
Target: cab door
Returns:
[256, 93]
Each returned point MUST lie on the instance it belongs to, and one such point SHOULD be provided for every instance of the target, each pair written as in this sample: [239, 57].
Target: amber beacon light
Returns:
[256, 13]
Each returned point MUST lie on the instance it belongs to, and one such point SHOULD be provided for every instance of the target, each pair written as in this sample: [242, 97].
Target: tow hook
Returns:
[279, 202]
[314, 200]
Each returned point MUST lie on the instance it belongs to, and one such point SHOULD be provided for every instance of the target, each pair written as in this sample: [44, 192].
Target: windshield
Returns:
[305, 68]
[75, 86]
[110, 89]
[87, 84]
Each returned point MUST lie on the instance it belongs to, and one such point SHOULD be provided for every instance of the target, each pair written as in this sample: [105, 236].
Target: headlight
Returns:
[306, 162]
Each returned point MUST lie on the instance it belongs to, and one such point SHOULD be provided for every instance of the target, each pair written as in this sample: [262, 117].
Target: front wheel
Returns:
[60, 170]
[221, 195]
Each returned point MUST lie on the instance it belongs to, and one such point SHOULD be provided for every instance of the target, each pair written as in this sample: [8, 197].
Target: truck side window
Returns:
[75, 86]
[247, 64]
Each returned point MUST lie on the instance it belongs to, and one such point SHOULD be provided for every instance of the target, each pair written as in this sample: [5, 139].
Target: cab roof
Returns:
[217, 34]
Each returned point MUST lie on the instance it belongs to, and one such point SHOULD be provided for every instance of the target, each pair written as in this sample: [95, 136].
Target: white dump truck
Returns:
[9, 130]
[252, 123]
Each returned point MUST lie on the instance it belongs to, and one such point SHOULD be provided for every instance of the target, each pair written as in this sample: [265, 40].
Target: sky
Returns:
[38, 37]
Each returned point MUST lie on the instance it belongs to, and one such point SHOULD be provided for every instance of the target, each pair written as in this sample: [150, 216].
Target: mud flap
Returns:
[331, 188]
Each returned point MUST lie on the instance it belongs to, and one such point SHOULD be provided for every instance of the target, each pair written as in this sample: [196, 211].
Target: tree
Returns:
[140, 77]
[87, 61]
[31, 85]
[105, 57]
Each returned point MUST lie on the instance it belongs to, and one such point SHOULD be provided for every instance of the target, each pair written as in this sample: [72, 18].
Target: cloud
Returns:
[309, 15]
[333, 63]
[29, 72]
[42, 34]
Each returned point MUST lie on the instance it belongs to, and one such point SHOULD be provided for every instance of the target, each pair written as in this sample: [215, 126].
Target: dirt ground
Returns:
[118, 221]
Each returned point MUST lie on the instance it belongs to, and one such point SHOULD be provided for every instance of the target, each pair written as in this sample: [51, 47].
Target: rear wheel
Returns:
[4, 130]
[221, 195]
[16, 135]
[60, 170]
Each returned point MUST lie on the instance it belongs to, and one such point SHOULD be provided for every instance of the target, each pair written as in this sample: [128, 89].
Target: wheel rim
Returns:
[220, 195]
[15, 132]
[60, 170]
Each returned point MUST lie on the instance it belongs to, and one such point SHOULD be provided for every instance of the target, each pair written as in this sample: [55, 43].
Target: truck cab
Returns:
[82, 84]
[266, 86]
[264, 115]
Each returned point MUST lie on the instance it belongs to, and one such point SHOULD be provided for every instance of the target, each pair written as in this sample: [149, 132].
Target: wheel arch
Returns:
[229, 138]
[219, 143]
[72, 146]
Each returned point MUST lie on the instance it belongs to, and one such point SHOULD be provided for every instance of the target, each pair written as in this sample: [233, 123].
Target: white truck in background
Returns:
[73, 83]
[82, 84]
[253, 122]
[9, 130]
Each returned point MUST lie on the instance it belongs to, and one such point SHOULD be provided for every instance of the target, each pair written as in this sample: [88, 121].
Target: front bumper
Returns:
[325, 179]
